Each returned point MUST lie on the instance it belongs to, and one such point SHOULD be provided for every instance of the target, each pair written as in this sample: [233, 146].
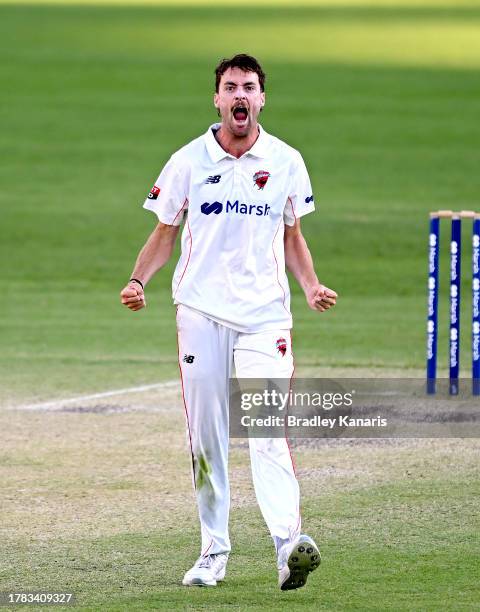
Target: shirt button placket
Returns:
[236, 173]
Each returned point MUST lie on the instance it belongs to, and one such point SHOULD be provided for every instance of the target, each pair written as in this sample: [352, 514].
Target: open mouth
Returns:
[240, 113]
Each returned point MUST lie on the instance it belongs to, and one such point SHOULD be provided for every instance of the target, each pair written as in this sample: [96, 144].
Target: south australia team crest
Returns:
[260, 178]
[282, 346]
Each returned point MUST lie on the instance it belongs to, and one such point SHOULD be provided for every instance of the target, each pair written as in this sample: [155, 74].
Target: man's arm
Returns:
[153, 256]
[299, 261]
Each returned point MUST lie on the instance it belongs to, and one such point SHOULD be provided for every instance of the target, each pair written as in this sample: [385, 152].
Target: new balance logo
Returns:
[214, 179]
[259, 210]
[309, 199]
[189, 358]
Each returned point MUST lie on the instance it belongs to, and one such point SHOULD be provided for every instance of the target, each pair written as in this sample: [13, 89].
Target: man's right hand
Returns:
[132, 296]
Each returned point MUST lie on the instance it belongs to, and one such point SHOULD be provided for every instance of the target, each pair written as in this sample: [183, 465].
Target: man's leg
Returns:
[268, 355]
[205, 356]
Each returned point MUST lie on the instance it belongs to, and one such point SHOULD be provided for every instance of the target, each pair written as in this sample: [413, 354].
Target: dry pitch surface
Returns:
[97, 498]
[104, 466]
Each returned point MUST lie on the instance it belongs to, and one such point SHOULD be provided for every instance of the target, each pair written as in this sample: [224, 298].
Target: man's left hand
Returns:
[320, 298]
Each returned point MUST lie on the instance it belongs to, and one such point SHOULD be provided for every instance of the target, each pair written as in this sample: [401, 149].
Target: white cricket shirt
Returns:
[232, 263]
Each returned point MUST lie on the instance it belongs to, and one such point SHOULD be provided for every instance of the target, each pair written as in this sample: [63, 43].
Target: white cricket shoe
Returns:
[295, 561]
[207, 571]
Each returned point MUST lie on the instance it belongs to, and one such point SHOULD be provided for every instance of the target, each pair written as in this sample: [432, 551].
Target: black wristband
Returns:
[135, 280]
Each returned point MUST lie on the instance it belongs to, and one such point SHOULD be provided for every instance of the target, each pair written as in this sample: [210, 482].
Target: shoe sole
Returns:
[199, 583]
[304, 558]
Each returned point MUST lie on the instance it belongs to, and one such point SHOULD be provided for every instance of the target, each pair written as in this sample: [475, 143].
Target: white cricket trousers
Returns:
[207, 352]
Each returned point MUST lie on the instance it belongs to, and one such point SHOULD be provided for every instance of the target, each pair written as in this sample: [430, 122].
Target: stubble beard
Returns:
[240, 131]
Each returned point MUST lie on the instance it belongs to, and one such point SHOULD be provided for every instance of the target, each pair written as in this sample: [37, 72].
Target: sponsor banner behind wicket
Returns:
[432, 320]
[476, 307]
[455, 276]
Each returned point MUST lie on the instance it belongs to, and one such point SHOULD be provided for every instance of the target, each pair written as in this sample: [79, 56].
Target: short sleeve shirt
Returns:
[232, 262]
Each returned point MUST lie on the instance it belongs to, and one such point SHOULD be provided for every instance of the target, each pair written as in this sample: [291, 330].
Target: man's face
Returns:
[239, 100]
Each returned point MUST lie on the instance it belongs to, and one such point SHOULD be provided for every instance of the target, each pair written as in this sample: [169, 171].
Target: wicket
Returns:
[455, 278]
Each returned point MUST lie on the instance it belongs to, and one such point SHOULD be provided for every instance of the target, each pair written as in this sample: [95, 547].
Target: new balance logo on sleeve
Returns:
[309, 199]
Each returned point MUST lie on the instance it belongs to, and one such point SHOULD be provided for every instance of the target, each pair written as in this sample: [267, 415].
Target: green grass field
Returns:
[381, 97]
[381, 100]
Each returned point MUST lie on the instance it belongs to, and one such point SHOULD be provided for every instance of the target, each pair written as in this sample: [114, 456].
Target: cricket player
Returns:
[239, 193]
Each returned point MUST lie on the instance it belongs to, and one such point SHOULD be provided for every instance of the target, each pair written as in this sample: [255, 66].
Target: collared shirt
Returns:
[232, 263]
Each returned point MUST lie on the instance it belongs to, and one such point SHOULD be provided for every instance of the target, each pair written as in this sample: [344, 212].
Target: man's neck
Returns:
[235, 145]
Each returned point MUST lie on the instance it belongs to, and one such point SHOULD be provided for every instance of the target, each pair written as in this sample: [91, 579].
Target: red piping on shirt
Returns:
[186, 202]
[276, 262]
[293, 209]
[188, 259]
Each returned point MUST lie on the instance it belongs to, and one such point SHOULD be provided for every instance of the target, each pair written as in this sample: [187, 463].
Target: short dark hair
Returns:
[245, 62]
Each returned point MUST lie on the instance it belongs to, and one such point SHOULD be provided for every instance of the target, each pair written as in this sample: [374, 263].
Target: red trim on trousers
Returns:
[289, 389]
[185, 408]
[286, 438]
[208, 548]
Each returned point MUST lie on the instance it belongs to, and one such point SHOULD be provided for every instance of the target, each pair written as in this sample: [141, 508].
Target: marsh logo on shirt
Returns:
[282, 346]
[260, 178]
[153, 195]
[238, 208]
[208, 208]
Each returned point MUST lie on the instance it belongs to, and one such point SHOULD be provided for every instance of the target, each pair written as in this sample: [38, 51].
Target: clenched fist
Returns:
[133, 297]
[320, 298]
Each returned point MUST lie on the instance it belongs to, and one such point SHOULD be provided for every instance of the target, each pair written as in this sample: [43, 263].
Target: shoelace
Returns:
[205, 561]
